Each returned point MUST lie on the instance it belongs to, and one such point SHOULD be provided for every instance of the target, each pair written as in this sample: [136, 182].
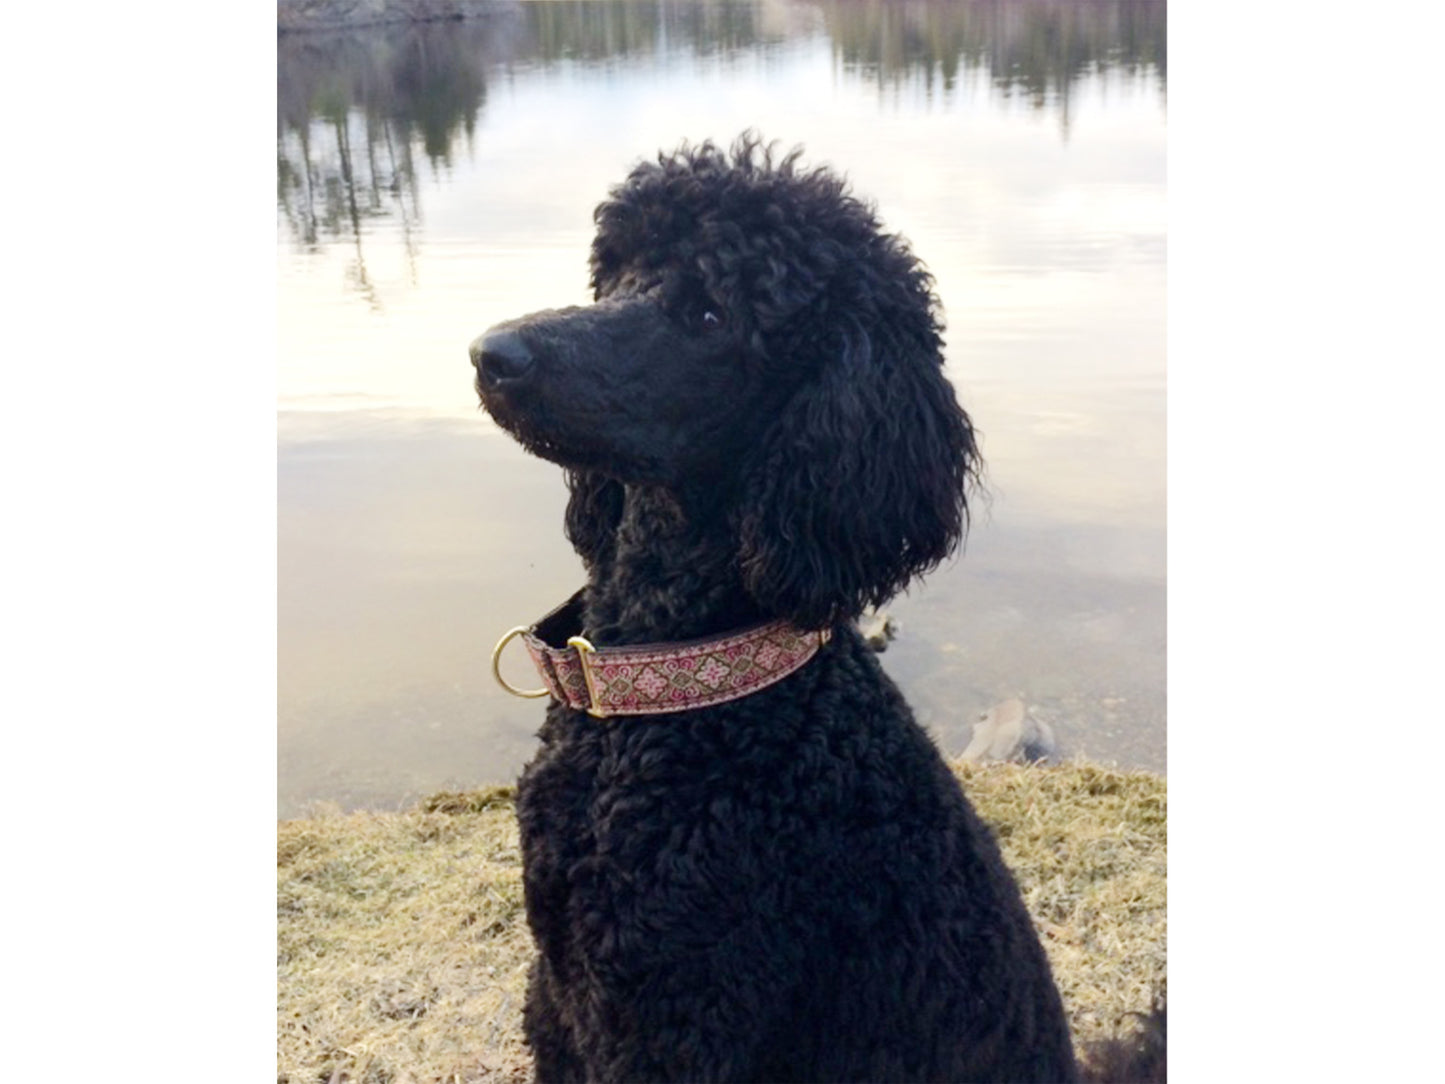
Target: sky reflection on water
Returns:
[432, 182]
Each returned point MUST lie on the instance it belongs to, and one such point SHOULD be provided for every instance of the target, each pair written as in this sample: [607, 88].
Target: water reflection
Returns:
[435, 179]
[353, 110]
[356, 108]
[599, 30]
[1037, 49]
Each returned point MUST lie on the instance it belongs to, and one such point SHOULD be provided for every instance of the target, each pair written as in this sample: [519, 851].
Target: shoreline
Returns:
[300, 16]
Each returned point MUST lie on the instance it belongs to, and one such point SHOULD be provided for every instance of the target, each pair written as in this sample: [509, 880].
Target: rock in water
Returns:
[877, 629]
[1007, 731]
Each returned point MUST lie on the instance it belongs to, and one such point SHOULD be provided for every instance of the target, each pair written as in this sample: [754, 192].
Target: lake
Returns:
[435, 179]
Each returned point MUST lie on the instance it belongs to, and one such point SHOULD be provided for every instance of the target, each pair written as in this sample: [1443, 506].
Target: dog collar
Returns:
[651, 679]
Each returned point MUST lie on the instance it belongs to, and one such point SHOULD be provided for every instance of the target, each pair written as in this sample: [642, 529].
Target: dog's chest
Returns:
[585, 807]
[555, 797]
[619, 816]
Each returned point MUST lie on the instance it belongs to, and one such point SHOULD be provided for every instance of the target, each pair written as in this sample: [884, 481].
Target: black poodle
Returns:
[787, 885]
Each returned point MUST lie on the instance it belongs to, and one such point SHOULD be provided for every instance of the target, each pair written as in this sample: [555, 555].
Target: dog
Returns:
[772, 877]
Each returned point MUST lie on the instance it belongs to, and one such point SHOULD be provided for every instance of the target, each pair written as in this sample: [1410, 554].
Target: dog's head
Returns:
[759, 342]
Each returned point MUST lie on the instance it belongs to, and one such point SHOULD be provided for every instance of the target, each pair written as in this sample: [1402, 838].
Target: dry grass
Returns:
[402, 946]
[1088, 846]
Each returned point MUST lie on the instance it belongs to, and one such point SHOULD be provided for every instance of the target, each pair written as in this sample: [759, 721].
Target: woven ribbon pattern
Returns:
[652, 679]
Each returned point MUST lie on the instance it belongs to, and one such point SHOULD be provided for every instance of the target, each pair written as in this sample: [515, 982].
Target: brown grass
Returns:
[402, 947]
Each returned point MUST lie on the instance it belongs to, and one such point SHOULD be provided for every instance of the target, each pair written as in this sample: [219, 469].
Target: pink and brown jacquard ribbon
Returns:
[649, 679]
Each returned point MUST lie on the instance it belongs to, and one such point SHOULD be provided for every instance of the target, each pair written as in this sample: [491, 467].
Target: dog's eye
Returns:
[711, 320]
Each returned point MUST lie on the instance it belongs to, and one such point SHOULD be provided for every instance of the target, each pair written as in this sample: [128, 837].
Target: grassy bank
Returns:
[402, 947]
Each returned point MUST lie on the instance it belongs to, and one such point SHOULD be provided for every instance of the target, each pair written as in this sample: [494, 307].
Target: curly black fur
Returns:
[754, 423]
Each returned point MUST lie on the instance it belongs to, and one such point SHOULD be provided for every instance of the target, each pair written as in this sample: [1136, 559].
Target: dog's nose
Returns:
[500, 355]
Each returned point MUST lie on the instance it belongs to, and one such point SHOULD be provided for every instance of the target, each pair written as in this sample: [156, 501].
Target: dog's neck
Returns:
[667, 578]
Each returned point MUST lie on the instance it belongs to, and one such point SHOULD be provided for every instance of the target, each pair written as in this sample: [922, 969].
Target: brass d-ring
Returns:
[497, 666]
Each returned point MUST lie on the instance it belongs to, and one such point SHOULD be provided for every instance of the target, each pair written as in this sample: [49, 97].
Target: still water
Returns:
[433, 180]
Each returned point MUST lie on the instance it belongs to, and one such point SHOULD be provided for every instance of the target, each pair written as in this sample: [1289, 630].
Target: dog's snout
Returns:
[500, 355]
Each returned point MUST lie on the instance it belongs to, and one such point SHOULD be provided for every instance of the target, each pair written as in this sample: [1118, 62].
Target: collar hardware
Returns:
[654, 679]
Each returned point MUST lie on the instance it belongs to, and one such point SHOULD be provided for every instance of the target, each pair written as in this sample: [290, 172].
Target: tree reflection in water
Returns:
[356, 108]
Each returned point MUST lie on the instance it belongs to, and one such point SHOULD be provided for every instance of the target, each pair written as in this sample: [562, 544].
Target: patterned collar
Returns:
[651, 679]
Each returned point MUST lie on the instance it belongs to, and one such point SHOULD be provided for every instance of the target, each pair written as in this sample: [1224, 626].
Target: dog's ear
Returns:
[593, 511]
[861, 484]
